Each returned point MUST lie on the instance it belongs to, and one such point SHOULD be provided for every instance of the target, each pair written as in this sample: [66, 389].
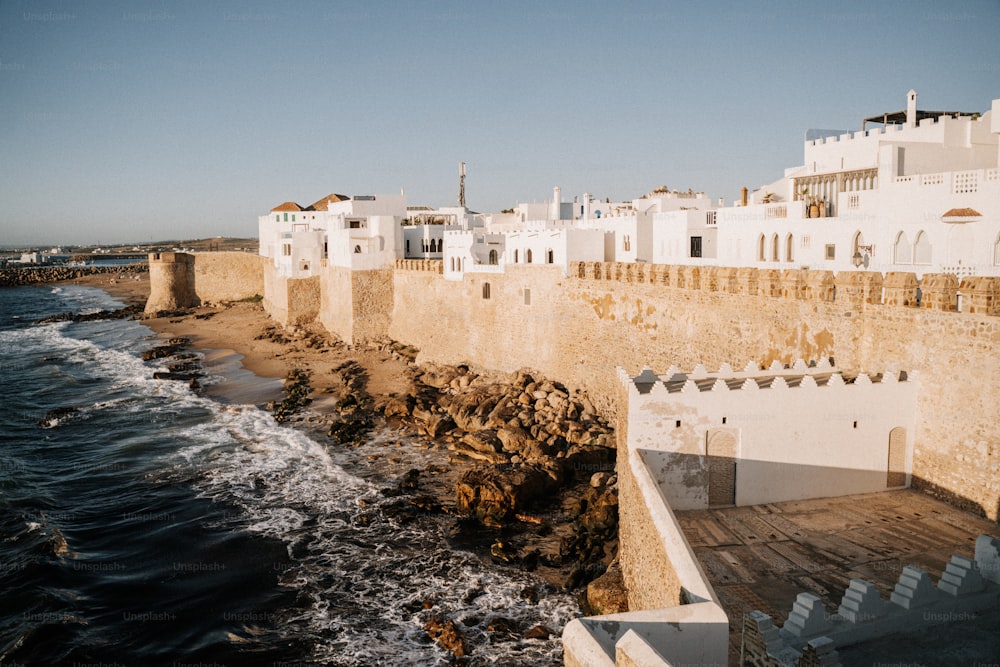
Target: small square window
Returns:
[831, 251]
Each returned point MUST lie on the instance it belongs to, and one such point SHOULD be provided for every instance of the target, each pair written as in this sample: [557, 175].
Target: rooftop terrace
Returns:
[761, 557]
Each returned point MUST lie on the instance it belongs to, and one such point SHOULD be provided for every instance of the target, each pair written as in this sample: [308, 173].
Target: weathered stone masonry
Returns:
[578, 328]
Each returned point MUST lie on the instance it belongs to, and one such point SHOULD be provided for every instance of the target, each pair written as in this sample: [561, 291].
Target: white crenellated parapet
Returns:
[777, 376]
[861, 602]
[914, 589]
[808, 617]
[988, 558]
[793, 431]
[863, 615]
[961, 577]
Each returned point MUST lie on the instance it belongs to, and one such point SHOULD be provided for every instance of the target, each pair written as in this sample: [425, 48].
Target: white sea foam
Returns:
[365, 575]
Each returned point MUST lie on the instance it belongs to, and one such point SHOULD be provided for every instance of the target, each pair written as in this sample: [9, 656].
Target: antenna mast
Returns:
[461, 184]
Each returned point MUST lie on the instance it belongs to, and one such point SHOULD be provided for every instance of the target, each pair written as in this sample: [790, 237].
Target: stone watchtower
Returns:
[171, 280]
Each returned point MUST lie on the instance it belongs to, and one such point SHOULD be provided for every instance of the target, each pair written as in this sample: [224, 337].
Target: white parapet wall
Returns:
[762, 436]
[693, 630]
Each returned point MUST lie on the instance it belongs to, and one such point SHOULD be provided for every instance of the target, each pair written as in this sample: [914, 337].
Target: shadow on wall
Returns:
[694, 481]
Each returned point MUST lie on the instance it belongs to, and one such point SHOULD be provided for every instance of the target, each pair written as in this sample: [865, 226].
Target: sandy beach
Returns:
[266, 349]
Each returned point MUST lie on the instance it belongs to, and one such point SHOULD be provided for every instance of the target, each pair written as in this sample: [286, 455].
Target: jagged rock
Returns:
[438, 379]
[599, 480]
[606, 594]
[493, 493]
[502, 552]
[495, 458]
[398, 406]
[437, 424]
[513, 439]
[446, 633]
[585, 460]
[538, 632]
[349, 430]
[483, 441]
[55, 416]
[503, 629]
[161, 351]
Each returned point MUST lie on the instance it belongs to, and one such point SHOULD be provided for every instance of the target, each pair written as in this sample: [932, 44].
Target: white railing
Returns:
[775, 211]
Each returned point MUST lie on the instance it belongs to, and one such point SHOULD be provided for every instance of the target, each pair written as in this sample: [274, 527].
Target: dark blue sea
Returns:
[143, 524]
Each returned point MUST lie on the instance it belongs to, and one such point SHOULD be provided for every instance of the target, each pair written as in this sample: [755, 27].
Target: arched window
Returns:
[902, 253]
[626, 243]
[357, 250]
[922, 249]
[407, 246]
[774, 248]
[527, 256]
[486, 290]
[762, 248]
[515, 255]
[789, 246]
[549, 256]
[493, 256]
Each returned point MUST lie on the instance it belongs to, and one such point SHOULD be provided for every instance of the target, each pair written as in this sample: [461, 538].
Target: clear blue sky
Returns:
[138, 121]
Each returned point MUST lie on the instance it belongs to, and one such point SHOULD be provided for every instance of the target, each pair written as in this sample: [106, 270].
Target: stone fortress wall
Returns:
[182, 280]
[578, 328]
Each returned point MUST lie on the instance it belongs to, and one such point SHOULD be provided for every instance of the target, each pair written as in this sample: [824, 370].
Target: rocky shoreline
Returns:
[530, 481]
[531, 463]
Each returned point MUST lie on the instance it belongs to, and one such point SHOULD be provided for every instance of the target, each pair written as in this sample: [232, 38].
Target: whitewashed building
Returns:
[920, 192]
[361, 232]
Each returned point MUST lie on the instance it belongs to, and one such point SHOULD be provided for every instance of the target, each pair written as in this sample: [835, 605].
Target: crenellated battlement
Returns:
[943, 292]
[966, 587]
[919, 132]
[649, 385]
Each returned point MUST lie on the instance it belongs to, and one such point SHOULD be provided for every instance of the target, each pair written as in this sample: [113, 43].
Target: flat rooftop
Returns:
[761, 557]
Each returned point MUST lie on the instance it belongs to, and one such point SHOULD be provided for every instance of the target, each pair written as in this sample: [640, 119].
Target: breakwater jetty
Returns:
[35, 275]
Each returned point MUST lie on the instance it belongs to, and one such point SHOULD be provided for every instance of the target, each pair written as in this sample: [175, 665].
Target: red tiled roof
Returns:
[322, 204]
[287, 206]
[962, 213]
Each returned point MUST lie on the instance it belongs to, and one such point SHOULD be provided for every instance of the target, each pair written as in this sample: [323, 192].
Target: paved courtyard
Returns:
[762, 557]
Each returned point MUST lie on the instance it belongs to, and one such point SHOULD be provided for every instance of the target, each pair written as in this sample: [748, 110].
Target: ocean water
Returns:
[146, 525]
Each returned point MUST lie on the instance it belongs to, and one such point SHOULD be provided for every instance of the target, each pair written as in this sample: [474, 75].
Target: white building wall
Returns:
[792, 443]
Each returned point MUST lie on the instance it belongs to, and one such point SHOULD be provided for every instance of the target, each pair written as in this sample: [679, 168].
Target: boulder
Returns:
[491, 494]
[446, 633]
[585, 460]
[483, 441]
[437, 424]
[606, 594]
[513, 440]
[398, 407]
[538, 632]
